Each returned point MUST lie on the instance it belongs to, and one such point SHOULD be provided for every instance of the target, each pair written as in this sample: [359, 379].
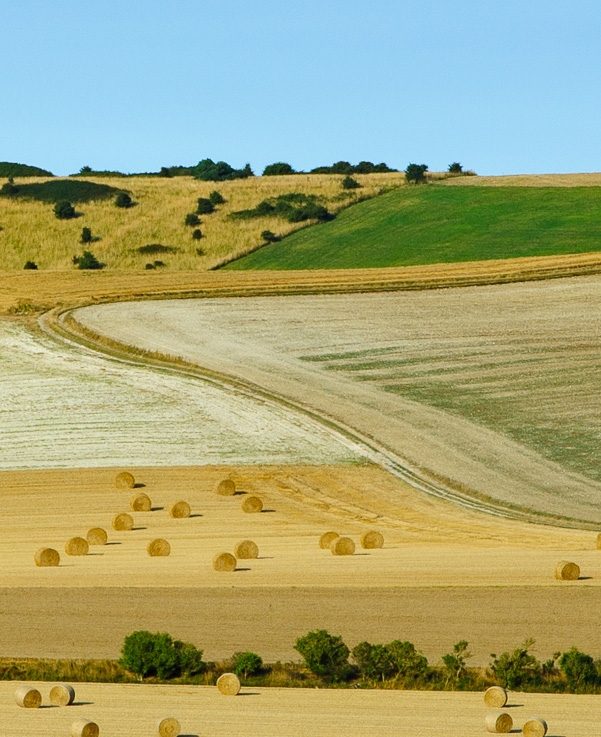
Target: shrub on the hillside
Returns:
[64, 210]
[86, 235]
[192, 219]
[246, 664]
[158, 654]
[374, 661]
[270, 237]
[204, 206]
[416, 173]
[10, 169]
[197, 234]
[30, 265]
[123, 200]
[324, 654]
[455, 168]
[9, 189]
[56, 190]
[294, 207]
[518, 667]
[216, 198]
[349, 183]
[455, 663]
[278, 169]
[156, 248]
[210, 171]
[398, 659]
[165, 172]
[579, 670]
[87, 260]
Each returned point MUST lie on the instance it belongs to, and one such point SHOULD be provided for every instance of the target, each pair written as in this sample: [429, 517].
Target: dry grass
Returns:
[529, 180]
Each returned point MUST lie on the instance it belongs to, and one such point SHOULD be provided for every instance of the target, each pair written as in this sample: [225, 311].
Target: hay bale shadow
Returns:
[241, 569]
[114, 542]
[156, 509]
[139, 528]
[138, 485]
[82, 703]
[266, 511]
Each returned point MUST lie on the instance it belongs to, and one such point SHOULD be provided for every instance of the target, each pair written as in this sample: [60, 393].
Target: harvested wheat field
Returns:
[133, 711]
[492, 392]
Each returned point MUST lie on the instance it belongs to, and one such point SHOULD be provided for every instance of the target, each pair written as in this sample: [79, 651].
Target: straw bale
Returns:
[342, 546]
[229, 684]
[326, 540]
[140, 502]
[224, 562]
[371, 540]
[97, 536]
[123, 521]
[566, 571]
[28, 698]
[62, 694]
[77, 546]
[168, 727]
[45, 557]
[252, 504]
[125, 480]
[534, 727]
[495, 697]
[180, 510]
[158, 548]
[84, 728]
[599, 541]
[499, 722]
[246, 549]
[226, 487]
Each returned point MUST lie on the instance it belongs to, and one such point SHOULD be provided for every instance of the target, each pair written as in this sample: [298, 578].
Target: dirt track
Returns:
[132, 711]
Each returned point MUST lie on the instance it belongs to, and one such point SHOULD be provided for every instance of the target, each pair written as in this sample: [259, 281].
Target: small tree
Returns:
[349, 183]
[324, 654]
[205, 206]
[197, 234]
[455, 168]
[30, 265]
[165, 172]
[516, 668]
[270, 237]
[455, 662]
[64, 210]
[86, 235]
[246, 664]
[408, 662]
[157, 654]
[87, 260]
[374, 661]
[416, 173]
[85, 170]
[123, 200]
[216, 198]
[579, 669]
[278, 169]
[192, 219]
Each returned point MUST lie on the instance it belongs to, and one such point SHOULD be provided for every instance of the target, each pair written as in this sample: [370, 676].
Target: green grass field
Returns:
[443, 224]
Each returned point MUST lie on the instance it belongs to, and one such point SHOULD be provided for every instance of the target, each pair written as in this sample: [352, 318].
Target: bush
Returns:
[86, 235]
[74, 190]
[30, 265]
[270, 237]
[374, 661]
[324, 654]
[87, 260]
[123, 200]
[350, 183]
[64, 210]
[516, 668]
[454, 664]
[205, 206]
[156, 248]
[197, 234]
[408, 662]
[192, 219]
[216, 198]
[416, 173]
[455, 168]
[209, 171]
[9, 189]
[246, 664]
[9, 169]
[158, 654]
[278, 169]
[579, 670]
[294, 207]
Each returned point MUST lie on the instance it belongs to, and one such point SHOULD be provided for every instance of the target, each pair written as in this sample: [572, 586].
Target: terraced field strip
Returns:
[133, 710]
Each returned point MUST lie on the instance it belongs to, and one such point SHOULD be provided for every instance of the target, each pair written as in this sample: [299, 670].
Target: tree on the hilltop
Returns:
[278, 169]
[64, 210]
[416, 173]
[455, 168]
[123, 200]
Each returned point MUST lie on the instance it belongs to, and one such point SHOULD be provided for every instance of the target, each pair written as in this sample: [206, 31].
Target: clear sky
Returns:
[502, 86]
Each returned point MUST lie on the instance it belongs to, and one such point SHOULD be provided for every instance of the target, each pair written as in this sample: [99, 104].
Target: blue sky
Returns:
[502, 86]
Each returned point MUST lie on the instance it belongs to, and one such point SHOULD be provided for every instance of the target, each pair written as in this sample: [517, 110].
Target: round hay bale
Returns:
[371, 540]
[229, 684]
[140, 502]
[97, 536]
[599, 541]
[62, 695]
[495, 697]
[123, 521]
[224, 562]
[77, 546]
[326, 540]
[342, 546]
[226, 488]
[28, 698]
[168, 727]
[125, 480]
[252, 505]
[246, 549]
[180, 510]
[535, 727]
[566, 571]
[45, 557]
[499, 722]
[158, 548]
[84, 728]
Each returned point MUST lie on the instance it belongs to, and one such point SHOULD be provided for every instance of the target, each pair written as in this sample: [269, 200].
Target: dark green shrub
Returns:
[270, 237]
[73, 190]
[8, 169]
[205, 206]
[148, 267]
[64, 210]
[294, 207]
[375, 661]
[216, 198]
[516, 668]
[455, 168]
[158, 264]
[454, 664]
[192, 219]
[156, 248]
[200, 251]
[123, 200]
[197, 234]
[278, 169]
[324, 654]
[165, 172]
[85, 170]
[349, 183]
[9, 189]
[30, 265]
[416, 173]
[246, 664]
[579, 670]
[87, 260]
[86, 235]
[157, 654]
[209, 171]
[408, 662]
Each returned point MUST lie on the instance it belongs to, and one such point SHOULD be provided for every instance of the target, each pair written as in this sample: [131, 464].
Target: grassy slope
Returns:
[444, 224]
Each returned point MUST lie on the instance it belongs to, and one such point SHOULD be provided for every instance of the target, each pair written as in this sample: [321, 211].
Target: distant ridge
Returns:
[10, 169]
